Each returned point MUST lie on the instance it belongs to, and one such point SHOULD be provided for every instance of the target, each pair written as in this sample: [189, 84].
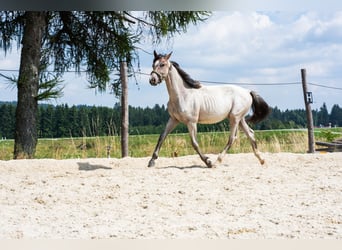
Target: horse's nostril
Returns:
[152, 81]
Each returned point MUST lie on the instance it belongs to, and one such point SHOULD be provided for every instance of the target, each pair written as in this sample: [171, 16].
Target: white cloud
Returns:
[10, 61]
[237, 34]
[266, 47]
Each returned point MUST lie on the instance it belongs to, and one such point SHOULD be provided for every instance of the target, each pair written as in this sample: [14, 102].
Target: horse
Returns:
[191, 102]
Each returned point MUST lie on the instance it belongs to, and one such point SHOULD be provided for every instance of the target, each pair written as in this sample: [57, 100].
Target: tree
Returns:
[323, 115]
[83, 117]
[336, 115]
[46, 113]
[71, 39]
[7, 112]
[27, 107]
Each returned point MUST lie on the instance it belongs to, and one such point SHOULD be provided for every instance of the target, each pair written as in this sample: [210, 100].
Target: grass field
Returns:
[175, 145]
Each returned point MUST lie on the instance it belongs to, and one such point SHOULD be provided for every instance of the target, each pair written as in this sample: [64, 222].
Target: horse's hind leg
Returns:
[192, 127]
[233, 123]
[250, 133]
[171, 124]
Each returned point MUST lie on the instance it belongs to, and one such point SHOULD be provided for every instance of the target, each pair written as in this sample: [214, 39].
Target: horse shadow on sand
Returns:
[192, 167]
[86, 166]
[184, 167]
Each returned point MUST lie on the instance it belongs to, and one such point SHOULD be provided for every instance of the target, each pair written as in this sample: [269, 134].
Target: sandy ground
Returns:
[295, 196]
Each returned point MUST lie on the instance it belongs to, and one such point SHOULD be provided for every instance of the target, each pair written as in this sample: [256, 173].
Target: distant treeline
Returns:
[79, 121]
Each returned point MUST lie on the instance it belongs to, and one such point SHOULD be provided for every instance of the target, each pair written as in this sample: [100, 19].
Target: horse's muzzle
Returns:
[155, 78]
[153, 81]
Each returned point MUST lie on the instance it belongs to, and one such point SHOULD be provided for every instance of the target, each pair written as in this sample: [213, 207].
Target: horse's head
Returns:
[160, 68]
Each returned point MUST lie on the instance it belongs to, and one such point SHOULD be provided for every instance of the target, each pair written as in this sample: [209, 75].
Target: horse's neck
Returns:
[175, 85]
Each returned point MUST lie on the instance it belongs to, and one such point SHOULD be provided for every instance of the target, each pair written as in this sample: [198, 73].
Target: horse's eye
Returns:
[162, 65]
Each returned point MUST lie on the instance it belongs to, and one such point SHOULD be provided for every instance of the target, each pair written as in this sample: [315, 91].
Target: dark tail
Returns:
[260, 108]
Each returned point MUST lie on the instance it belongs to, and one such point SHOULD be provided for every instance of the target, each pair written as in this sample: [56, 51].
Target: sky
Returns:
[259, 50]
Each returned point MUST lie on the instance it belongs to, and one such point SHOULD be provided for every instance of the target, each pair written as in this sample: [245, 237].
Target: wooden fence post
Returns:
[309, 120]
[124, 109]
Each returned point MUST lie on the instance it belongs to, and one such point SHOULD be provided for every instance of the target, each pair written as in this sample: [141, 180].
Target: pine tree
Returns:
[323, 115]
[336, 116]
[71, 39]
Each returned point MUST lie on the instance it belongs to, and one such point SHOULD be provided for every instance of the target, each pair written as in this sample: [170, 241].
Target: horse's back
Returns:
[230, 94]
[241, 99]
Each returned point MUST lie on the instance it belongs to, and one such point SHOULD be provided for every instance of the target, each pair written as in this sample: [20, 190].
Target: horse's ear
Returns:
[155, 54]
[168, 56]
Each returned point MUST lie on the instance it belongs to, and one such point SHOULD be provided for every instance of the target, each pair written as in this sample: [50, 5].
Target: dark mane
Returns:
[186, 77]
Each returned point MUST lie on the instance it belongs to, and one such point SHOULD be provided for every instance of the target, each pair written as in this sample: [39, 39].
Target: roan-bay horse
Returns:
[190, 103]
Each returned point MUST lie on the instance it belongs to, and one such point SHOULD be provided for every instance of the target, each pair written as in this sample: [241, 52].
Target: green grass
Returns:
[175, 145]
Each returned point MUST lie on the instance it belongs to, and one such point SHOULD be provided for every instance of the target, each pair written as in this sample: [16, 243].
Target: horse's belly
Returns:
[209, 118]
[213, 109]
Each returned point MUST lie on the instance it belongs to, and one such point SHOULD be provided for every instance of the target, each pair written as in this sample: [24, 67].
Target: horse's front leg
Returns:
[192, 127]
[171, 124]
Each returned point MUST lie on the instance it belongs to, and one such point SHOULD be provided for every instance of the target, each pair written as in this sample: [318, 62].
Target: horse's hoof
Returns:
[209, 164]
[262, 161]
[213, 166]
[151, 163]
